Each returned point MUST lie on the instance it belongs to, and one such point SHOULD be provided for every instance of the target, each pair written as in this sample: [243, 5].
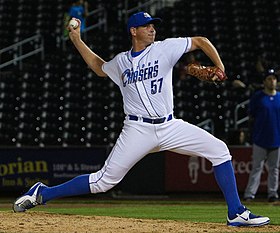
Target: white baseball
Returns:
[73, 23]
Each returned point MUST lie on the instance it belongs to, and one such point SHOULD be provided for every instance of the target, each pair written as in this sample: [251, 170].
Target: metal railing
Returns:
[101, 15]
[18, 53]
[237, 119]
[102, 19]
[208, 125]
[151, 6]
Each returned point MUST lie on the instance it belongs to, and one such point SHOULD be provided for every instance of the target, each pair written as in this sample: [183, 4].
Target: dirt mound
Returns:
[39, 222]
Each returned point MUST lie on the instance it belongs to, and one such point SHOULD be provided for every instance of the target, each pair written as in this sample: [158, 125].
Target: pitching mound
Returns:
[38, 222]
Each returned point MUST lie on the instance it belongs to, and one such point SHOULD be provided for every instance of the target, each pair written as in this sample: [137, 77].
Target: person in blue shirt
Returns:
[79, 10]
[264, 109]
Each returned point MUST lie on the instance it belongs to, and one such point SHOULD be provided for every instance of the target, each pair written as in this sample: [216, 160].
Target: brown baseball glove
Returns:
[206, 73]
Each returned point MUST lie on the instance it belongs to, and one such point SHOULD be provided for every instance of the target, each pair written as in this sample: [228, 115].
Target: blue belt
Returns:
[149, 120]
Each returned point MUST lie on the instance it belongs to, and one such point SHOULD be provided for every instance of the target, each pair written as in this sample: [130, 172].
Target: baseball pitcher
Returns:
[144, 77]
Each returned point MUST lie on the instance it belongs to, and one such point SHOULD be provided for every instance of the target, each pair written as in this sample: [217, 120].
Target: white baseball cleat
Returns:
[30, 199]
[247, 219]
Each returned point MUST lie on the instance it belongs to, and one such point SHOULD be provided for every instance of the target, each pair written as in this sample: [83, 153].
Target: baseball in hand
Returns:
[73, 23]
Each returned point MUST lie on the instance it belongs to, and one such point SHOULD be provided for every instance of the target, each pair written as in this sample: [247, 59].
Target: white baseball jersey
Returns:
[146, 85]
[145, 81]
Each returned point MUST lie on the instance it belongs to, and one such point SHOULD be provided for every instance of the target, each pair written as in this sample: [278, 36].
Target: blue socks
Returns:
[77, 186]
[225, 178]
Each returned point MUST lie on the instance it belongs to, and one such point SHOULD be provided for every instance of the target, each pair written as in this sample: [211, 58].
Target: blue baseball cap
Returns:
[269, 72]
[140, 19]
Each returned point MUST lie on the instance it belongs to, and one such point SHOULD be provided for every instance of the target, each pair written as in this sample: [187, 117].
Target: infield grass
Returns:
[198, 211]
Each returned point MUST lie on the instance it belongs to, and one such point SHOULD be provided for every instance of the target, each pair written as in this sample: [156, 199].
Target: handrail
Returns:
[19, 43]
[142, 6]
[208, 122]
[102, 21]
[236, 110]
[17, 51]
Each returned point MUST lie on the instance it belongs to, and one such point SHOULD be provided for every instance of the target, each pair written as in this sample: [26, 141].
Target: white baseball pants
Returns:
[138, 139]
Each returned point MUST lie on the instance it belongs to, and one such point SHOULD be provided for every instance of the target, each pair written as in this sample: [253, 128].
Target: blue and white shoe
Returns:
[247, 219]
[30, 199]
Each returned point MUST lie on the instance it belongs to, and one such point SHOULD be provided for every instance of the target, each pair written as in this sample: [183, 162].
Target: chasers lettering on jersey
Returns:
[147, 78]
[140, 74]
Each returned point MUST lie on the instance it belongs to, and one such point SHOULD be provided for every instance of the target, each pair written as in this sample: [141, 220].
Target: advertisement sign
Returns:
[193, 174]
[22, 167]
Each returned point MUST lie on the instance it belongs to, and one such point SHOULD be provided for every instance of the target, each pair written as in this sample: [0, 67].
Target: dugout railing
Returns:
[100, 15]
[207, 125]
[149, 6]
[21, 50]
[241, 113]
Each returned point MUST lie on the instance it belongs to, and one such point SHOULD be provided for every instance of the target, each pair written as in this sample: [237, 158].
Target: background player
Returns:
[144, 76]
[264, 110]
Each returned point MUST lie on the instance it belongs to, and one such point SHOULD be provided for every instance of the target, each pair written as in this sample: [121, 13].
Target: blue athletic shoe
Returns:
[247, 219]
[30, 199]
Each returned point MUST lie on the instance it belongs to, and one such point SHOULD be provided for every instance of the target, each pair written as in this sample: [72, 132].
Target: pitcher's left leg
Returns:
[188, 139]
[185, 138]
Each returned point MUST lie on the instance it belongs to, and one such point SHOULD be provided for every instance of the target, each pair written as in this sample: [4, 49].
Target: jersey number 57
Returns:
[156, 86]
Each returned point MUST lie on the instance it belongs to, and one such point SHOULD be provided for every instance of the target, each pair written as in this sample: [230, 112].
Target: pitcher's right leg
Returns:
[135, 141]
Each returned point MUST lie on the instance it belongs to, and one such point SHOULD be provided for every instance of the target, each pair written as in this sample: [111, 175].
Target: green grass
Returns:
[172, 210]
